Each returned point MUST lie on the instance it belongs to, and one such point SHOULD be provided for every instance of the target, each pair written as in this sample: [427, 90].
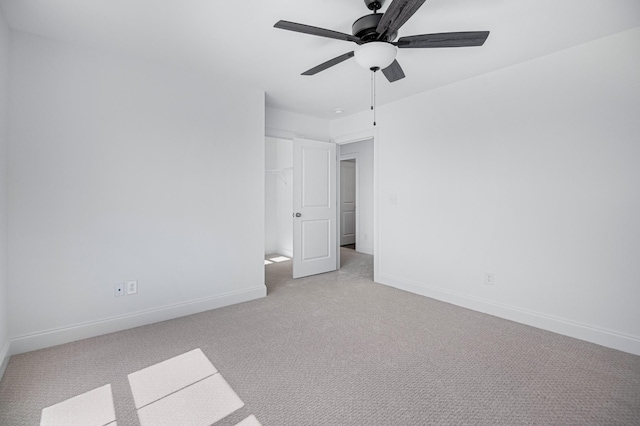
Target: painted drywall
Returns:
[288, 125]
[279, 199]
[530, 173]
[285, 198]
[4, 101]
[126, 170]
[270, 196]
[364, 210]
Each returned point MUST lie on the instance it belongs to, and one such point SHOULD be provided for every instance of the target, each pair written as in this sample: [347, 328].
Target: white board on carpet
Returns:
[201, 404]
[93, 408]
[159, 380]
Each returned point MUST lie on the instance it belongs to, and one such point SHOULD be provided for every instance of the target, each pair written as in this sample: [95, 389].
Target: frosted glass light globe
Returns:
[376, 54]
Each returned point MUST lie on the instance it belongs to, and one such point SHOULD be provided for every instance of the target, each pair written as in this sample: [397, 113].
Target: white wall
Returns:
[531, 173]
[279, 199]
[270, 196]
[364, 208]
[285, 198]
[124, 170]
[287, 125]
[4, 101]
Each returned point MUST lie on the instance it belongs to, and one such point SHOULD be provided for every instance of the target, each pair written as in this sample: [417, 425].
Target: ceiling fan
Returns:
[375, 34]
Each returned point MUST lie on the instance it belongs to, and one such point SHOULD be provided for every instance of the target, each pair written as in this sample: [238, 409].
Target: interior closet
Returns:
[279, 196]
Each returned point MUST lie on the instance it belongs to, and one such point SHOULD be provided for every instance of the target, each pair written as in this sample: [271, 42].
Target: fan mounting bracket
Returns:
[374, 5]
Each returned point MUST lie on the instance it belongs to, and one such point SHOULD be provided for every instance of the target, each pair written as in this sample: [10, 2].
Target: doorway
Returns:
[278, 200]
[355, 223]
[357, 195]
[348, 197]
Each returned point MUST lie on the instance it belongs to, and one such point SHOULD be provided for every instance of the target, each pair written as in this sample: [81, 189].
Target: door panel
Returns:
[317, 239]
[348, 227]
[314, 199]
[316, 165]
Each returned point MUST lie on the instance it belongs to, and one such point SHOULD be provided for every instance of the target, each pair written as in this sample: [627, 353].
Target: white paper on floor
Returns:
[279, 259]
[159, 380]
[93, 408]
[250, 421]
[201, 404]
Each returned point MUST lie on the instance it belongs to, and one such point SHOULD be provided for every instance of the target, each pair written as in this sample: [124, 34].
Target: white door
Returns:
[314, 207]
[347, 202]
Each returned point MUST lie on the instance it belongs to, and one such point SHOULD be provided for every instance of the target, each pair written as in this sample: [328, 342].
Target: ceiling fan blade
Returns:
[329, 64]
[393, 72]
[308, 29]
[463, 39]
[396, 15]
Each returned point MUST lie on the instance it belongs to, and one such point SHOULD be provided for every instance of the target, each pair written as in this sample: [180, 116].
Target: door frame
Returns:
[374, 136]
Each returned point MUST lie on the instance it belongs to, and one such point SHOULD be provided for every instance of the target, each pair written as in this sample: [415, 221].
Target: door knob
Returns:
[298, 214]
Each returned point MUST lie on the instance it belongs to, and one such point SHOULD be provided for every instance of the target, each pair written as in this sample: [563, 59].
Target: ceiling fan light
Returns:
[376, 54]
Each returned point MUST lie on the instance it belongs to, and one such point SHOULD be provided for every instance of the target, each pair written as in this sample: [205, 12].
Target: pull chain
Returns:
[373, 93]
[372, 90]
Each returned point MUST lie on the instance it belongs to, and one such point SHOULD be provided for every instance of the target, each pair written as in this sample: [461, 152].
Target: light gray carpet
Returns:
[338, 349]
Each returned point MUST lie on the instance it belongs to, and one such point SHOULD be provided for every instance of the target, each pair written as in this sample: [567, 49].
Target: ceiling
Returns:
[235, 40]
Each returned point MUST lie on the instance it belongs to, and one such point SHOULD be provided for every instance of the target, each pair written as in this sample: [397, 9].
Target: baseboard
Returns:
[366, 249]
[73, 333]
[608, 338]
[5, 354]
[285, 252]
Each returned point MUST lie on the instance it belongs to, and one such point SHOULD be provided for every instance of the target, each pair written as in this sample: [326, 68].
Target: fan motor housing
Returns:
[365, 28]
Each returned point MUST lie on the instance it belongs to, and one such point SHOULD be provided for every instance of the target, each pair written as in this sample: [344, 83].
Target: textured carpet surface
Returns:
[338, 349]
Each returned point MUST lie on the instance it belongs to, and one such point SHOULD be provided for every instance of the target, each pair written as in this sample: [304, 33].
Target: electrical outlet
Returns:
[488, 278]
[119, 289]
[132, 287]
